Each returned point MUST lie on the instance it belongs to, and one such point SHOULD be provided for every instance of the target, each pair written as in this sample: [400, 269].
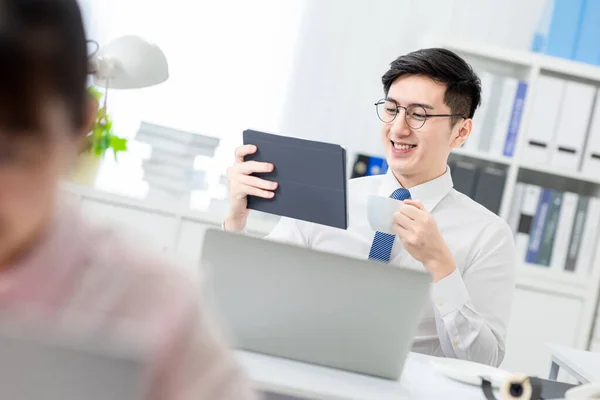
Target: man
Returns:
[430, 98]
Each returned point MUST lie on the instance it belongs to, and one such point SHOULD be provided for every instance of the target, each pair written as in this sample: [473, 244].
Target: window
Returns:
[230, 62]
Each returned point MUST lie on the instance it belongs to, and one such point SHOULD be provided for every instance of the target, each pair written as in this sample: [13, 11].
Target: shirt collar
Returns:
[429, 193]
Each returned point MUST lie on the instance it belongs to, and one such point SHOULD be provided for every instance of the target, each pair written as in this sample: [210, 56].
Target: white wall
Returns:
[228, 59]
[345, 47]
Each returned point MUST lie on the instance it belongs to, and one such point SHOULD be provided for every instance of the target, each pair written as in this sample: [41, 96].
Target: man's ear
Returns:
[464, 131]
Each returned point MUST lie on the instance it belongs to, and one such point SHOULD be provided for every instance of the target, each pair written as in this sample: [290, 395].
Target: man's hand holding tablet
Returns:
[242, 184]
[290, 177]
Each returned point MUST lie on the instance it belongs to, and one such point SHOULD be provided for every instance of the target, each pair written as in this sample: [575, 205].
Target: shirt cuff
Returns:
[243, 231]
[450, 293]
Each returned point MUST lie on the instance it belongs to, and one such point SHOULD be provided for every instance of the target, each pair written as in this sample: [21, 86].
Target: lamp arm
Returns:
[92, 64]
[106, 98]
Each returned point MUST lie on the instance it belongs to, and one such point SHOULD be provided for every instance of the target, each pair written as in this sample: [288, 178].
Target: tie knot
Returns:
[400, 194]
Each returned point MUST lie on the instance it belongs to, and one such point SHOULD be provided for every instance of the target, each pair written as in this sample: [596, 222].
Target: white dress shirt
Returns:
[470, 308]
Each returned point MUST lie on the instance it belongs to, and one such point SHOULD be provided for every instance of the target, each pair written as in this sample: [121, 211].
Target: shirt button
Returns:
[455, 342]
[440, 303]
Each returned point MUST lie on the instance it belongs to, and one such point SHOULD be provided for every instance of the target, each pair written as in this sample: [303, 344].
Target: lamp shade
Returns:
[130, 62]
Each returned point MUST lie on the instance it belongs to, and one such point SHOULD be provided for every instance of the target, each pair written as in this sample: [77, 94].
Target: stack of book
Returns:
[170, 168]
[564, 128]
[485, 184]
[555, 229]
[497, 122]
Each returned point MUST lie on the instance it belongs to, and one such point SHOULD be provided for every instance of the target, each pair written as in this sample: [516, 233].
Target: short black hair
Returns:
[43, 55]
[463, 87]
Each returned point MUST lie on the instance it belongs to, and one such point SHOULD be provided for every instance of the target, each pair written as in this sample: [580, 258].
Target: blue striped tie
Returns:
[381, 249]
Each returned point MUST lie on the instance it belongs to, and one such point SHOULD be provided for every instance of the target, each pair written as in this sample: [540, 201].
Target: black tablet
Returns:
[311, 177]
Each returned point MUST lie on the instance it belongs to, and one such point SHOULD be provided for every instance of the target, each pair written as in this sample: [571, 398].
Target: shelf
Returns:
[524, 58]
[85, 192]
[489, 51]
[543, 278]
[575, 175]
[569, 67]
[480, 155]
[258, 225]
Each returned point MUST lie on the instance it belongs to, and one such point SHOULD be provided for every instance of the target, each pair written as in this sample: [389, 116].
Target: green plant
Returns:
[102, 137]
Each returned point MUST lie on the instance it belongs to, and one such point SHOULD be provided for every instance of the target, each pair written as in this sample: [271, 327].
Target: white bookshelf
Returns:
[259, 224]
[521, 58]
[529, 66]
[573, 175]
[484, 156]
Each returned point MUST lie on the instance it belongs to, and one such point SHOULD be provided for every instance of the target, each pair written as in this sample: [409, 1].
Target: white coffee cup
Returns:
[380, 213]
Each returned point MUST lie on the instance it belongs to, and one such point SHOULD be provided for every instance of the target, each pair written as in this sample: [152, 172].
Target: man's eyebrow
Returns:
[424, 105]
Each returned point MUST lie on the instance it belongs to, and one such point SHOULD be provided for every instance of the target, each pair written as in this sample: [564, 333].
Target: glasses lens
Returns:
[386, 110]
[415, 116]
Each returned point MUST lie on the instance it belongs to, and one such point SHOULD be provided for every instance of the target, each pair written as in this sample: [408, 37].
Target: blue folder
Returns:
[588, 43]
[311, 177]
[564, 28]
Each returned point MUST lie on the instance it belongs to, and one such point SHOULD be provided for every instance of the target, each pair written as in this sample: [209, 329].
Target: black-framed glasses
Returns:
[414, 114]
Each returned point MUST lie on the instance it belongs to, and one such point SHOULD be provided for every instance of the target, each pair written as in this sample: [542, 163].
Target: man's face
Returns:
[419, 155]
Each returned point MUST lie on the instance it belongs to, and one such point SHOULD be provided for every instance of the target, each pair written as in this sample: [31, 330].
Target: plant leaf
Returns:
[95, 93]
[118, 144]
[102, 137]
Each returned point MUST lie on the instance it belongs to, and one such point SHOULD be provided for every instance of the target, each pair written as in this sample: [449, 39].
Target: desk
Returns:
[292, 378]
[583, 365]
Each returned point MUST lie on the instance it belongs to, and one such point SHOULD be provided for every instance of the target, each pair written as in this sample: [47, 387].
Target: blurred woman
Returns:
[56, 270]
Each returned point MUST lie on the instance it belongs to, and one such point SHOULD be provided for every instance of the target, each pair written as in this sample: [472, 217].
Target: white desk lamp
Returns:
[128, 62]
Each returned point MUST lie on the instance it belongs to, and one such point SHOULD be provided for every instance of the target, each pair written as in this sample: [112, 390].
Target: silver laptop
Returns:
[311, 306]
[36, 365]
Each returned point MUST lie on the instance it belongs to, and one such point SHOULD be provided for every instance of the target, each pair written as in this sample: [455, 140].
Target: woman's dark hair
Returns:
[43, 55]
[463, 87]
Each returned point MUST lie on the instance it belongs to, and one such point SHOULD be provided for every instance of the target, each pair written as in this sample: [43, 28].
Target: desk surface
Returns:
[578, 362]
[287, 377]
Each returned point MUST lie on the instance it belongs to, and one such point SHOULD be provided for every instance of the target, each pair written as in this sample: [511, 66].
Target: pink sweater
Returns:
[90, 277]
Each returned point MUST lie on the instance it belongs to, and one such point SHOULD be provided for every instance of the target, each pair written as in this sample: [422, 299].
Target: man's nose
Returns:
[399, 125]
